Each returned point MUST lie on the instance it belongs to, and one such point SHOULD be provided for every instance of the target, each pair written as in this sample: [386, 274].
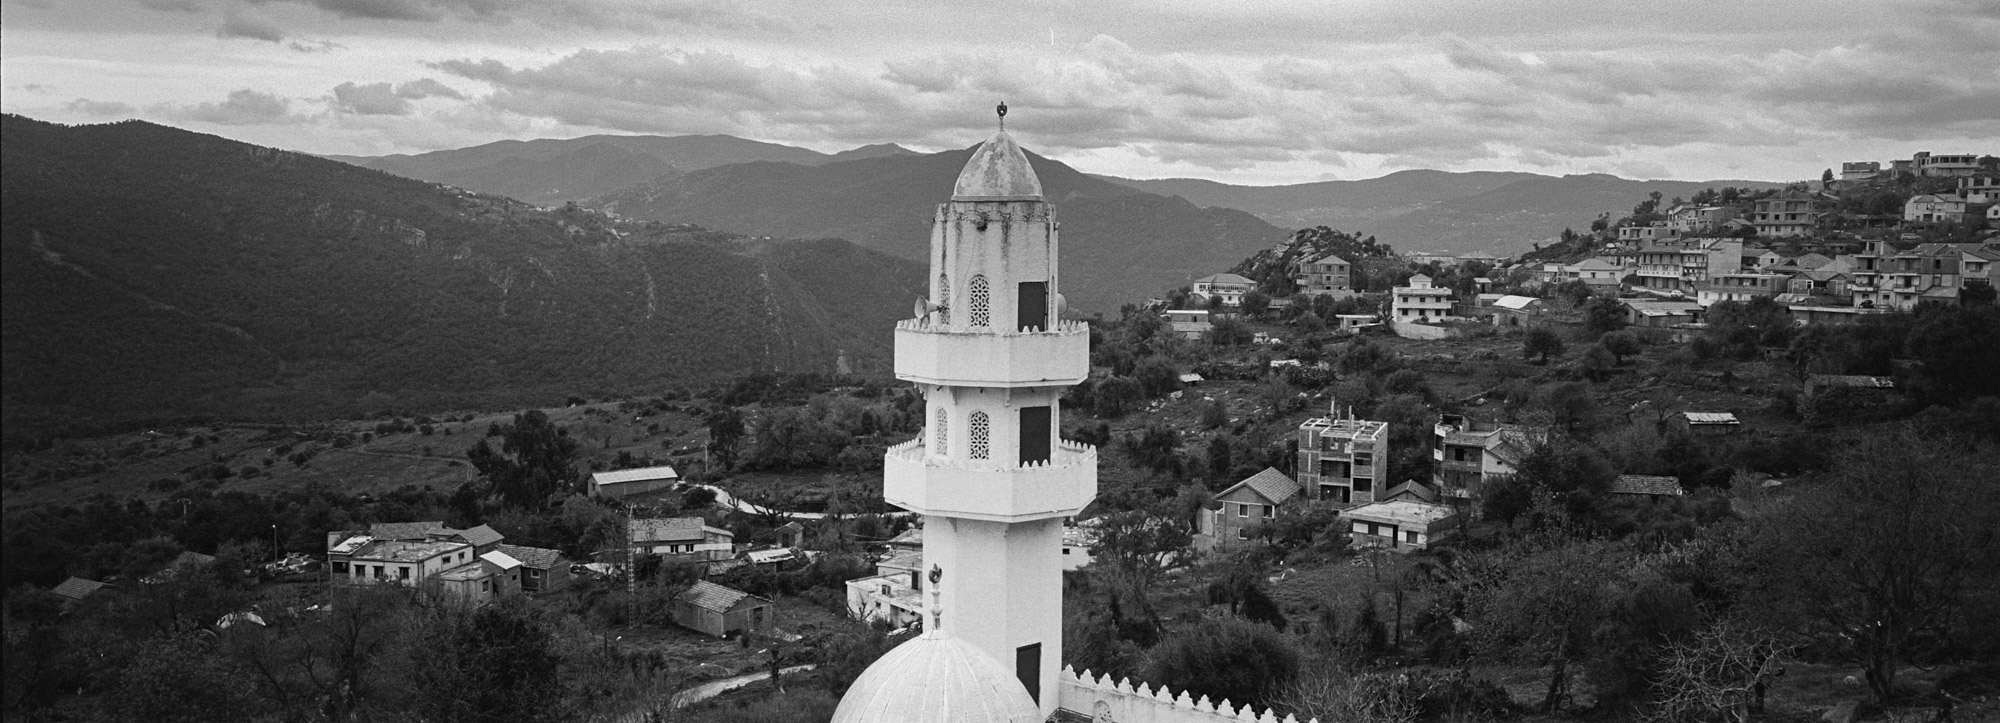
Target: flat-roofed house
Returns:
[1189, 323]
[1402, 525]
[1343, 460]
[620, 484]
[364, 560]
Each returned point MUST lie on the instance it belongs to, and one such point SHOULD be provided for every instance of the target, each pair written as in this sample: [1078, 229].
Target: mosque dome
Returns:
[934, 679]
[998, 171]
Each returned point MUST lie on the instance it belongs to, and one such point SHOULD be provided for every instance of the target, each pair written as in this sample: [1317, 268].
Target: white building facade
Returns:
[991, 475]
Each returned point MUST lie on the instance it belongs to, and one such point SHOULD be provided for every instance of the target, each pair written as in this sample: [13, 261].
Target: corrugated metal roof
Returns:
[715, 598]
[1710, 418]
[501, 560]
[635, 475]
[1516, 303]
[1401, 512]
[539, 558]
[77, 588]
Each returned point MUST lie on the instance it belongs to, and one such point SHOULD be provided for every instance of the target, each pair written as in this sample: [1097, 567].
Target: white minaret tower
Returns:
[991, 475]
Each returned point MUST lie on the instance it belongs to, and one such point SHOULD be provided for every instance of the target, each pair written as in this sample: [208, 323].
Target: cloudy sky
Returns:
[1243, 91]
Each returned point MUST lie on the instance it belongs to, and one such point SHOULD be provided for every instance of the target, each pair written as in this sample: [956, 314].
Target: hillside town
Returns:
[1605, 478]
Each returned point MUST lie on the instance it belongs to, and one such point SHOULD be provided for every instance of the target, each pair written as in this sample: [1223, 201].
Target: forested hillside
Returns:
[1119, 245]
[154, 273]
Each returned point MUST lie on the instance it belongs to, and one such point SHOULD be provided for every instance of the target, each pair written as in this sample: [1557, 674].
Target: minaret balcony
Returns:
[967, 356]
[990, 490]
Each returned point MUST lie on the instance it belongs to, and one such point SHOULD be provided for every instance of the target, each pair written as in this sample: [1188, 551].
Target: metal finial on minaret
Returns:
[936, 609]
[1002, 110]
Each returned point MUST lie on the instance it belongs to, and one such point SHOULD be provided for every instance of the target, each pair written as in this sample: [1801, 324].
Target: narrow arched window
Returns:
[980, 302]
[941, 432]
[944, 299]
[981, 436]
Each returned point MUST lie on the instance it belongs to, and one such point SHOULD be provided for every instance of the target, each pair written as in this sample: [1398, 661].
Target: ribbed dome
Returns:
[998, 171]
[936, 678]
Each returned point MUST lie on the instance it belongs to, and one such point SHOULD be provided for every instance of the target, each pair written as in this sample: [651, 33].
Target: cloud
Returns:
[87, 106]
[242, 107]
[315, 46]
[370, 99]
[237, 25]
[387, 99]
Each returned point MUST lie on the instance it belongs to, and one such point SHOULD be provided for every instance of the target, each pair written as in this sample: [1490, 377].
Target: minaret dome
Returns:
[998, 171]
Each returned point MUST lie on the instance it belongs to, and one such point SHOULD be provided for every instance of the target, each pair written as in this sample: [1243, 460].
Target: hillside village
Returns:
[1636, 474]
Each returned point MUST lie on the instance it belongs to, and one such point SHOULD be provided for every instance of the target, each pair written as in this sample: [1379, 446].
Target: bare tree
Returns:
[1721, 672]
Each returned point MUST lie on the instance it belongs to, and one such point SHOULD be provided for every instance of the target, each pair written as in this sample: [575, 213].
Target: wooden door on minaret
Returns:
[1033, 306]
[1035, 429]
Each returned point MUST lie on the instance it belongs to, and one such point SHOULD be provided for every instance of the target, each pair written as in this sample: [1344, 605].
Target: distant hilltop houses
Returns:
[1873, 238]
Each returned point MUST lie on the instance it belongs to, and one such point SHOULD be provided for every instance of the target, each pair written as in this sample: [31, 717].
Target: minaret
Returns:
[991, 475]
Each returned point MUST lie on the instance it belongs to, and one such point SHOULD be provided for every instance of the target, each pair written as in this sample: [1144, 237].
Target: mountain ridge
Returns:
[155, 273]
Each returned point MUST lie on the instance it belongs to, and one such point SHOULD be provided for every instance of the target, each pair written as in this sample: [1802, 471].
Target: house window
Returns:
[1242, 534]
[1270, 510]
[1242, 510]
[403, 572]
[339, 567]
[980, 437]
[1410, 537]
[1065, 550]
[944, 299]
[1363, 484]
[939, 431]
[979, 302]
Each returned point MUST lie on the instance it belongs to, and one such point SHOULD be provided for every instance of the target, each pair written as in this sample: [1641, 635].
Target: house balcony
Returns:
[982, 357]
[992, 490]
[1470, 466]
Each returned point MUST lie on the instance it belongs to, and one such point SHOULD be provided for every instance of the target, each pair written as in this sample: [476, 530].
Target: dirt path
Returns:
[718, 687]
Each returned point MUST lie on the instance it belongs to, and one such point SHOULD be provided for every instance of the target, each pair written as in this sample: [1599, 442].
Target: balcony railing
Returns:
[960, 355]
[997, 490]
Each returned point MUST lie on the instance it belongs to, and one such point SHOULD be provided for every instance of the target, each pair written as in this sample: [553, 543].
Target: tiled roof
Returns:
[667, 529]
[1644, 484]
[481, 535]
[634, 475]
[77, 588]
[539, 558]
[1330, 259]
[710, 596]
[403, 530]
[1414, 489]
[1270, 483]
[1224, 279]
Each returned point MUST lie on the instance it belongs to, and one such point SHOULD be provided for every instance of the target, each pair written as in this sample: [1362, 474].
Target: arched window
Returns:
[981, 436]
[980, 302]
[941, 432]
[944, 299]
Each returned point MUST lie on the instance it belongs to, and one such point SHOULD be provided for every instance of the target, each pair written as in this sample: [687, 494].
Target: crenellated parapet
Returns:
[1102, 698]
